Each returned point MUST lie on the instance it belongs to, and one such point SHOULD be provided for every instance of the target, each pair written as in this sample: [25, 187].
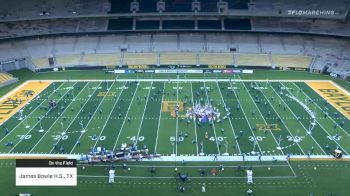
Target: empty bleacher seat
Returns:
[216, 58]
[68, 59]
[140, 59]
[101, 59]
[252, 59]
[291, 61]
[41, 62]
[177, 58]
[5, 77]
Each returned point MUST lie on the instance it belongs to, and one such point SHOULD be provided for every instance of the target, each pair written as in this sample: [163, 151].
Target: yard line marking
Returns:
[196, 177]
[301, 123]
[177, 117]
[321, 125]
[261, 114]
[189, 166]
[56, 120]
[330, 117]
[295, 117]
[115, 104]
[75, 116]
[239, 149]
[257, 142]
[81, 134]
[126, 115]
[280, 117]
[194, 121]
[160, 116]
[216, 139]
[144, 110]
[20, 94]
[27, 116]
[38, 122]
[292, 169]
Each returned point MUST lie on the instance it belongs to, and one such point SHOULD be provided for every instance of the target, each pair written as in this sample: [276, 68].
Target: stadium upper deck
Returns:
[19, 19]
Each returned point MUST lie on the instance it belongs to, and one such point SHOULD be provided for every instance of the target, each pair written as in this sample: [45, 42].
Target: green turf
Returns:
[250, 103]
[277, 181]
[132, 112]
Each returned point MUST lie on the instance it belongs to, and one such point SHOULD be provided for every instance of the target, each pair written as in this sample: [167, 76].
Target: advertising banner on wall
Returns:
[179, 71]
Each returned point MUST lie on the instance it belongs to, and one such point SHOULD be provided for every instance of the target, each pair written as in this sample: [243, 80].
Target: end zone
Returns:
[338, 98]
[15, 100]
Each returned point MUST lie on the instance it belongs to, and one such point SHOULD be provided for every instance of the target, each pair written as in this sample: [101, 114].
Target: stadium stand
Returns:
[253, 60]
[291, 61]
[85, 44]
[190, 42]
[68, 60]
[321, 53]
[140, 59]
[17, 9]
[177, 58]
[41, 62]
[138, 42]
[216, 58]
[165, 42]
[101, 59]
[109, 44]
[218, 42]
[6, 78]
[247, 43]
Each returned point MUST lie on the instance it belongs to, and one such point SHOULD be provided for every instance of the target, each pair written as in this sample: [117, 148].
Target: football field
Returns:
[257, 117]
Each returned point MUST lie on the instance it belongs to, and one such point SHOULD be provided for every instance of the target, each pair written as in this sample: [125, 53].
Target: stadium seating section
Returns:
[5, 77]
[252, 60]
[50, 17]
[101, 59]
[140, 59]
[298, 51]
[177, 58]
[216, 58]
[291, 61]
